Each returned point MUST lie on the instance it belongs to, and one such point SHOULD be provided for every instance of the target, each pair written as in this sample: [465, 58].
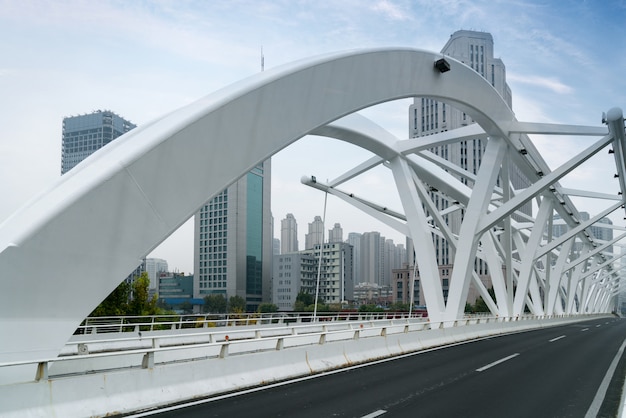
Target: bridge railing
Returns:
[98, 325]
[101, 353]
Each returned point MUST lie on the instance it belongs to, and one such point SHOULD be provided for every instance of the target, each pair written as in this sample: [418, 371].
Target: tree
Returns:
[267, 308]
[116, 304]
[321, 307]
[305, 298]
[186, 307]
[236, 304]
[370, 308]
[480, 305]
[303, 301]
[141, 303]
[215, 303]
[399, 307]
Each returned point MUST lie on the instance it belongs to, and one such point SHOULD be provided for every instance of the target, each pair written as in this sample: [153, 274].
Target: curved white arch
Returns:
[63, 253]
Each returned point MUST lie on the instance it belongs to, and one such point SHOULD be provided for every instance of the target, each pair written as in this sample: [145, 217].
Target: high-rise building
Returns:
[233, 240]
[354, 239]
[288, 234]
[335, 234]
[85, 134]
[429, 116]
[154, 266]
[372, 258]
[316, 233]
[276, 246]
[391, 260]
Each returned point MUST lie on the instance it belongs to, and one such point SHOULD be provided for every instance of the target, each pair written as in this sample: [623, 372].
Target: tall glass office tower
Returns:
[233, 240]
[85, 134]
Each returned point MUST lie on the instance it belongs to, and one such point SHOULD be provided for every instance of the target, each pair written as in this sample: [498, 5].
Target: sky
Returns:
[143, 59]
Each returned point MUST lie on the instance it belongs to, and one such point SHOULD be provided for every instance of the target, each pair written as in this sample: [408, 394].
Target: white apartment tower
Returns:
[288, 234]
[233, 240]
[316, 233]
[335, 234]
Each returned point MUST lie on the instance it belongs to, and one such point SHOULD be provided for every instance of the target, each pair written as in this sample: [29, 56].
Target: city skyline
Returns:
[145, 60]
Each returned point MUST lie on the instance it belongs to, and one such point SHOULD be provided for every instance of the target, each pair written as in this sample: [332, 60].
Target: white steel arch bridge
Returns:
[62, 253]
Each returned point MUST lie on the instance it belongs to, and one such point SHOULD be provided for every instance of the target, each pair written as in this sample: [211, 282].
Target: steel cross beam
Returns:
[432, 170]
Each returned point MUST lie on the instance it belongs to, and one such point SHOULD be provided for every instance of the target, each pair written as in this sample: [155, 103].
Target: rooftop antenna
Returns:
[262, 60]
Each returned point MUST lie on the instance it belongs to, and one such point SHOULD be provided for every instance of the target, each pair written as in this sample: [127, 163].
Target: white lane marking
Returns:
[584, 329]
[374, 414]
[495, 363]
[598, 326]
[557, 338]
[594, 408]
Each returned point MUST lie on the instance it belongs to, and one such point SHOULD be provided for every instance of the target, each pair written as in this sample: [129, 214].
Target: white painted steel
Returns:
[499, 252]
[129, 196]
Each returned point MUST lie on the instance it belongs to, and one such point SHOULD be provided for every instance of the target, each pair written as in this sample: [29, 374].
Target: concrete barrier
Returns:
[168, 375]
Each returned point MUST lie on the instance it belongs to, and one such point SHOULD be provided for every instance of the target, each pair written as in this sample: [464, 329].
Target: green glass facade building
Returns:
[233, 240]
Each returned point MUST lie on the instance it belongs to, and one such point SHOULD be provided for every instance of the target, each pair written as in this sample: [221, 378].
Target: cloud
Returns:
[391, 10]
[546, 82]
[559, 46]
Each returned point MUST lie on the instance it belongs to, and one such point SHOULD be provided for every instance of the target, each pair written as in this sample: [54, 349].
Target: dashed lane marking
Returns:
[495, 363]
[557, 338]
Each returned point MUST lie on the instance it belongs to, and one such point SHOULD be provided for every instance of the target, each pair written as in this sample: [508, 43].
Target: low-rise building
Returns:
[175, 291]
[295, 272]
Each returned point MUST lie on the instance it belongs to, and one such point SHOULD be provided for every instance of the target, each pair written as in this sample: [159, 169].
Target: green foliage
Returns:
[321, 307]
[306, 298]
[116, 304]
[186, 307]
[129, 299]
[267, 308]
[370, 308]
[399, 307]
[215, 303]
[305, 302]
[480, 305]
[335, 307]
[236, 304]
[141, 304]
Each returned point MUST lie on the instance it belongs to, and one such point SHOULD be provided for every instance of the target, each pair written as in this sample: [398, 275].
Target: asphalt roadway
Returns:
[555, 372]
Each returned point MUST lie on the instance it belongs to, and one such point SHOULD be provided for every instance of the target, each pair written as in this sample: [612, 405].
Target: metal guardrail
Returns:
[233, 339]
[99, 325]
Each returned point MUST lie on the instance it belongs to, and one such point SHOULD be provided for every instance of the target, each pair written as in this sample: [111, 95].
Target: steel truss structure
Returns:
[93, 226]
[578, 279]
